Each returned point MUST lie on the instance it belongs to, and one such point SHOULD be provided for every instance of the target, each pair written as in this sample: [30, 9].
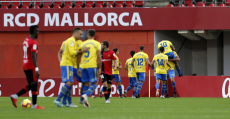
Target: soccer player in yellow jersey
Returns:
[67, 57]
[139, 60]
[116, 75]
[132, 76]
[161, 70]
[90, 70]
[169, 48]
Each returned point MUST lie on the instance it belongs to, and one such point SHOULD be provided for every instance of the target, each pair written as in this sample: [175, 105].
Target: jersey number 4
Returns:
[140, 61]
[164, 44]
[160, 62]
[25, 47]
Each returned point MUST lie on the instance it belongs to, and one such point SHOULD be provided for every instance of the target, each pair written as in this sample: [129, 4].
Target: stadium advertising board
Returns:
[116, 19]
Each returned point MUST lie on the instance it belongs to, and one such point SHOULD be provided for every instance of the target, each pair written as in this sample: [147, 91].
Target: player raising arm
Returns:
[161, 71]
[139, 61]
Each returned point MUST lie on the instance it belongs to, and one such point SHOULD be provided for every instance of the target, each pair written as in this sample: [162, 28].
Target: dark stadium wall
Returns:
[50, 42]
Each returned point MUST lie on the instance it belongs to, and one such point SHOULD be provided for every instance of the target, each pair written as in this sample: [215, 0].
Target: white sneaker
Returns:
[85, 98]
[125, 93]
[81, 102]
[14, 96]
[107, 101]
[133, 96]
[71, 105]
[162, 97]
[157, 93]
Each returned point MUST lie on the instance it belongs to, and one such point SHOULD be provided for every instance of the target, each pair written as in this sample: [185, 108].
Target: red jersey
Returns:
[29, 45]
[107, 58]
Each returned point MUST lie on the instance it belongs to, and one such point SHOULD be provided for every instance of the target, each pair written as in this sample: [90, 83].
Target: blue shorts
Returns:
[170, 74]
[67, 73]
[89, 75]
[132, 81]
[170, 55]
[162, 77]
[116, 77]
[141, 76]
[78, 78]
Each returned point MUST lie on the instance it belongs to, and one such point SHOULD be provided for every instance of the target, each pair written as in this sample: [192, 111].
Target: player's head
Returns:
[142, 47]
[104, 44]
[34, 31]
[132, 53]
[77, 33]
[116, 51]
[91, 34]
[161, 49]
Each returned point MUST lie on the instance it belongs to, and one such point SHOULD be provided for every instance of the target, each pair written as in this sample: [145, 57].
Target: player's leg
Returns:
[93, 94]
[163, 88]
[104, 81]
[165, 78]
[172, 78]
[129, 87]
[118, 81]
[109, 85]
[14, 97]
[178, 69]
[100, 92]
[135, 87]
[157, 84]
[141, 79]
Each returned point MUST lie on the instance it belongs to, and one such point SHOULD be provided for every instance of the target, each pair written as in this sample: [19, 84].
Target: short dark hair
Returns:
[162, 49]
[76, 29]
[92, 32]
[132, 53]
[115, 50]
[106, 43]
[142, 47]
[32, 28]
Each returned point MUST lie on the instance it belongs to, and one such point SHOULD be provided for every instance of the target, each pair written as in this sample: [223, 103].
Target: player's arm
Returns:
[115, 64]
[126, 66]
[120, 66]
[166, 60]
[172, 47]
[132, 63]
[152, 65]
[34, 59]
[176, 59]
[99, 61]
[75, 52]
[60, 55]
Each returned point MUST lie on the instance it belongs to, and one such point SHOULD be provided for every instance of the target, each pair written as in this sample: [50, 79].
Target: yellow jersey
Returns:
[77, 47]
[68, 52]
[131, 70]
[139, 61]
[166, 44]
[117, 71]
[172, 64]
[161, 66]
[89, 58]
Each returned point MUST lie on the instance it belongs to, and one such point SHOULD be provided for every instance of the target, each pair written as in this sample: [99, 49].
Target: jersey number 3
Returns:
[87, 54]
[160, 62]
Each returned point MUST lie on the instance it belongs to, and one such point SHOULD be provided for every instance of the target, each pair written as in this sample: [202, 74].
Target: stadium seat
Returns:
[68, 3]
[15, 3]
[77, 6]
[6, 3]
[56, 6]
[37, 7]
[67, 6]
[110, 6]
[98, 6]
[27, 3]
[78, 3]
[180, 5]
[227, 2]
[89, 3]
[37, 3]
[119, 6]
[170, 5]
[99, 3]
[211, 5]
[191, 5]
[46, 6]
[47, 2]
[129, 5]
[88, 6]
[187, 2]
[139, 3]
[200, 4]
[25, 7]
[119, 2]
[221, 5]
[4, 7]
[14, 7]
[58, 3]
[109, 2]
[128, 2]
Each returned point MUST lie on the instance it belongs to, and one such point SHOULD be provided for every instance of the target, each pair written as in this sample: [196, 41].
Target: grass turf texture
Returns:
[126, 108]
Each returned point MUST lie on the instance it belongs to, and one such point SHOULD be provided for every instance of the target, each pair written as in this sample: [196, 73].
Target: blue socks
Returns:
[93, 93]
[178, 70]
[163, 90]
[174, 86]
[157, 85]
[70, 96]
[64, 91]
[64, 99]
[139, 86]
[129, 88]
[120, 90]
[91, 89]
[134, 90]
[166, 89]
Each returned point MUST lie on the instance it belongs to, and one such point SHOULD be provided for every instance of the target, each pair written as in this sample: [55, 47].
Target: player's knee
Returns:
[119, 83]
[33, 82]
[96, 83]
[105, 84]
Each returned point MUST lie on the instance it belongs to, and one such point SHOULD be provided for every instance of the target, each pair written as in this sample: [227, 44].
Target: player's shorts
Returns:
[89, 75]
[141, 76]
[170, 55]
[170, 74]
[106, 77]
[162, 77]
[132, 81]
[30, 75]
[78, 78]
[67, 73]
[116, 77]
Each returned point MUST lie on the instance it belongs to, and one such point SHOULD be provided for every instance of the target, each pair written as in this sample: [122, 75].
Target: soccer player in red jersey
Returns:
[30, 68]
[106, 74]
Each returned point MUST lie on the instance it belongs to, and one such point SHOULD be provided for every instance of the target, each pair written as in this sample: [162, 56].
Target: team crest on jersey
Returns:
[108, 55]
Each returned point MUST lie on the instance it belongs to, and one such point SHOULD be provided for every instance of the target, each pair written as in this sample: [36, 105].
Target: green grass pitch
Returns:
[127, 108]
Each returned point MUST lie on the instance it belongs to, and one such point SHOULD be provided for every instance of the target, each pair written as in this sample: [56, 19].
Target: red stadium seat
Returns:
[79, 3]
[139, 3]
[6, 3]
[200, 4]
[89, 3]
[211, 5]
[99, 3]
[4, 7]
[88, 6]
[119, 2]
[129, 5]
[47, 2]
[56, 6]
[58, 3]
[227, 2]
[25, 7]
[37, 7]
[37, 3]
[109, 2]
[67, 6]
[98, 6]
[128, 2]
[170, 5]
[187, 2]
[110, 6]
[77, 6]
[180, 5]
[27, 3]
[46, 6]
[119, 6]
[68, 3]
[14, 7]
[221, 5]
[15, 3]
[191, 5]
